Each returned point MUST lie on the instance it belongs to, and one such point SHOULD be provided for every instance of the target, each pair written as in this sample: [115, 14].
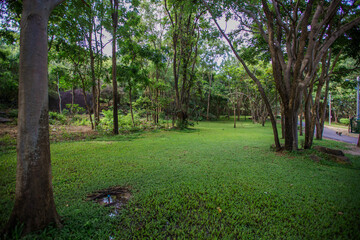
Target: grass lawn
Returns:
[210, 182]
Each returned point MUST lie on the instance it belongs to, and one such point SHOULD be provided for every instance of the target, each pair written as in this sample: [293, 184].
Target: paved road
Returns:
[331, 134]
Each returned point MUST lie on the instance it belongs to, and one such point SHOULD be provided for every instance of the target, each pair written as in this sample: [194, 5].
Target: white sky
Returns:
[231, 25]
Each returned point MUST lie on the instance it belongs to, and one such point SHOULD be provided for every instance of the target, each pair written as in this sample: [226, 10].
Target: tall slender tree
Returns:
[115, 19]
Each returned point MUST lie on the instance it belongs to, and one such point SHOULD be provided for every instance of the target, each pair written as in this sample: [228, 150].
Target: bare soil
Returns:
[353, 150]
[57, 132]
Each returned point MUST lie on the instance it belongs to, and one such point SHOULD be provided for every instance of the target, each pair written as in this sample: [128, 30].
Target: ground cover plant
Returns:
[210, 181]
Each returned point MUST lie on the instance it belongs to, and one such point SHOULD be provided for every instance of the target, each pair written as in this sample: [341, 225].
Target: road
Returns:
[331, 134]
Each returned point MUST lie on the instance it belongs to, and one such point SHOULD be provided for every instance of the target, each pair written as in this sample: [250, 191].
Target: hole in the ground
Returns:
[114, 197]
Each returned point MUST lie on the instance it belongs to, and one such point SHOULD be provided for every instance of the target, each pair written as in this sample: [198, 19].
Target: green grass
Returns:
[210, 182]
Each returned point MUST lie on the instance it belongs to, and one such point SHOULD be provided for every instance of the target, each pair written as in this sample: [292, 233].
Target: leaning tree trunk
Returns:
[34, 206]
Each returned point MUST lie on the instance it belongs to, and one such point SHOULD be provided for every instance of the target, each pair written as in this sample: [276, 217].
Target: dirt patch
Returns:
[115, 197]
[57, 132]
[8, 129]
[353, 150]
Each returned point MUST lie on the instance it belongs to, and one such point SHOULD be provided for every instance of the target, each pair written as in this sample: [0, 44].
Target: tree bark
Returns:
[115, 5]
[34, 202]
[209, 96]
[131, 108]
[234, 115]
[58, 91]
[301, 122]
[93, 78]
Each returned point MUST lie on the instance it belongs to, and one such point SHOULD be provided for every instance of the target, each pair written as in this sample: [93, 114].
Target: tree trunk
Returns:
[234, 115]
[282, 122]
[209, 96]
[290, 129]
[85, 99]
[72, 98]
[323, 111]
[238, 108]
[34, 206]
[93, 78]
[115, 96]
[131, 108]
[309, 131]
[301, 122]
[58, 91]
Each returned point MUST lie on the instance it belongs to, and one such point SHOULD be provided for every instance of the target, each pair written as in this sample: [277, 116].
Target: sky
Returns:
[229, 26]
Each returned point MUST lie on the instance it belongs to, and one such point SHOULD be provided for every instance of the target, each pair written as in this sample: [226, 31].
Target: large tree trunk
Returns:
[290, 128]
[34, 202]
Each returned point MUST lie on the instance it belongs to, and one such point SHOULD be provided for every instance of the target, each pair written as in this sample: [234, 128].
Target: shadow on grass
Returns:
[185, 130]
[120, 137]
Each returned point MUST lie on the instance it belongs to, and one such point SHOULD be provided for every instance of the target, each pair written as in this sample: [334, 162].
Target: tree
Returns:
[297, 35]
[184, 18]
[115, 19]
[34, 202]
[251, 75]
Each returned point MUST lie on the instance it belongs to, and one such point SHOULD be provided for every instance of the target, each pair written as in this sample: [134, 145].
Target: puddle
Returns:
[113, 197]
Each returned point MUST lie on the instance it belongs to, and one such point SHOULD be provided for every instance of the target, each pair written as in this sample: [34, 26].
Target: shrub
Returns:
[74, 108]
[81, 121]
[125, 122]
[345, 121]
[56, 118]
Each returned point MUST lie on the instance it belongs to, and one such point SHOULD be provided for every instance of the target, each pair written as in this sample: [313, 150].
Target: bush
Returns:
[13, 113]
[81, 121]
[57, 118]
[125, 122]
[345, 121]
[74, 109]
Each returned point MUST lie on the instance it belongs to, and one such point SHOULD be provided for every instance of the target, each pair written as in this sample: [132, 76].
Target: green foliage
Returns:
[75, 109]
[7, 143]
[345, 121]
[125, 122]
[9, 77]
[13, 113]
[84, 121]
[57, 118]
